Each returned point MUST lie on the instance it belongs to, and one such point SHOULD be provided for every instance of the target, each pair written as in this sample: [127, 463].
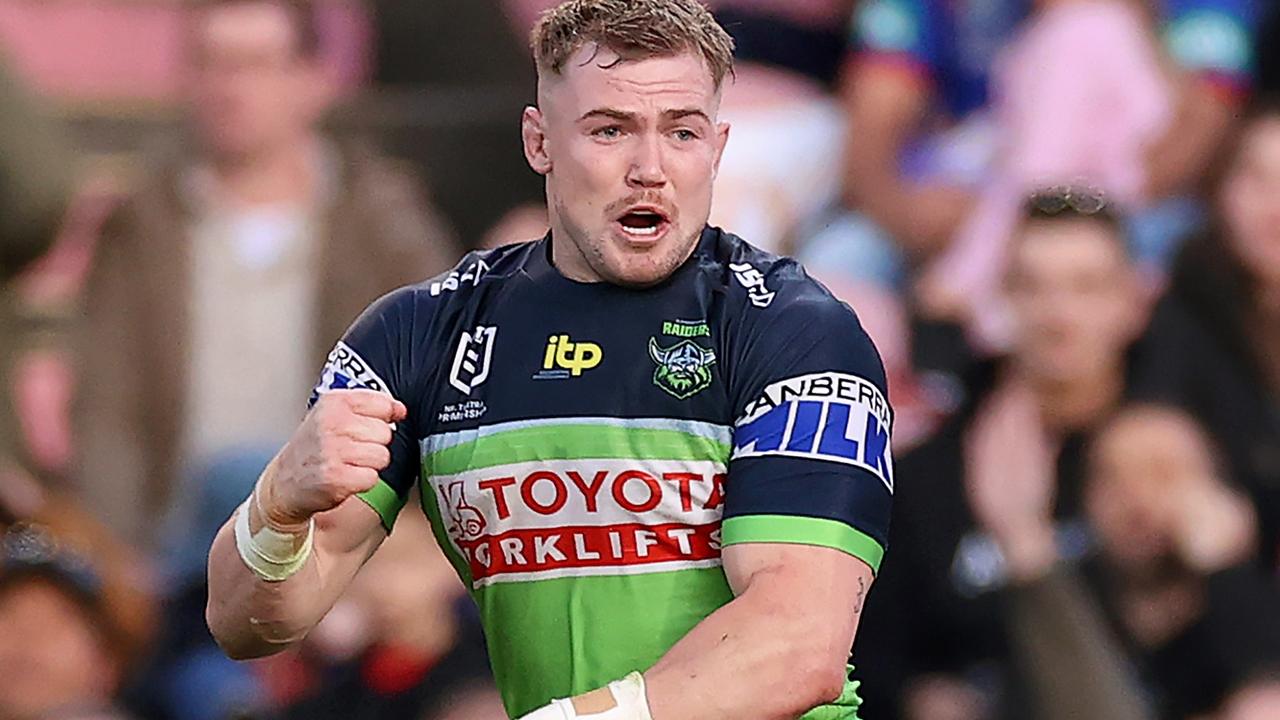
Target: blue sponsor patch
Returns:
[830, 416]
[343, 370]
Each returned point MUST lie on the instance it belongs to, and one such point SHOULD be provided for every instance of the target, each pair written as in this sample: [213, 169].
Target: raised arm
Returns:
[305, 502]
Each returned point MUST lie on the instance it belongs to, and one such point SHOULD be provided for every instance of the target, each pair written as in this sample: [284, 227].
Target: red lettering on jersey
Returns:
[684, 478]
[498, 487]
[655, 491]
[589, 492]
[526, 492]
[717, 491]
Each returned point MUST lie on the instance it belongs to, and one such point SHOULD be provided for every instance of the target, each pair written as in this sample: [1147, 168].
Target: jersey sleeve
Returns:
[1214, 39]
[375, 354]
[898, 31]
[811, 460]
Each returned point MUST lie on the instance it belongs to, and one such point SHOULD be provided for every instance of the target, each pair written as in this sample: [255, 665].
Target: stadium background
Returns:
[110, 345]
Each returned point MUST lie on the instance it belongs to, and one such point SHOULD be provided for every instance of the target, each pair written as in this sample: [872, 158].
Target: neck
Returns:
[1079, 402]
[566, 255]
[278, 175]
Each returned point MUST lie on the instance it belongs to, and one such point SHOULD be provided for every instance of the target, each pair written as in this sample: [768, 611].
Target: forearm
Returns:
[737, 664]
[1060, 635]
[251, 617]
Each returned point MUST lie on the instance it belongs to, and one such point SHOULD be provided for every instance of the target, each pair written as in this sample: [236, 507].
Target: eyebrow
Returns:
[607, 113]
[622, 115]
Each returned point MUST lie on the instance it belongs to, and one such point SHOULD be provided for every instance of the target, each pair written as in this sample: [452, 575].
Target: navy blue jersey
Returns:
[584, 450]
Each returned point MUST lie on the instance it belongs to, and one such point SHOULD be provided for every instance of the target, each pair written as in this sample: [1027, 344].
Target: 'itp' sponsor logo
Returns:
[564, 358]
[822, 416]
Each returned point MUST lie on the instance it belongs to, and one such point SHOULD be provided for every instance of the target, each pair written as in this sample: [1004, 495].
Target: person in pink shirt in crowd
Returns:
[955, 107]
[1079, 94]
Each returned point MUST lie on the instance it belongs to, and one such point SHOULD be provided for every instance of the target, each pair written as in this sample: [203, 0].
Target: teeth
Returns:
[641, 231]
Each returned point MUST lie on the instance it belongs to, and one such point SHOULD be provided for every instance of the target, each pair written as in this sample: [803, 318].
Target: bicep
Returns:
[823, 586]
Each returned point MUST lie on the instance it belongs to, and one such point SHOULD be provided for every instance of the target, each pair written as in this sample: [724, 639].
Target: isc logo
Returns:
[563, 354]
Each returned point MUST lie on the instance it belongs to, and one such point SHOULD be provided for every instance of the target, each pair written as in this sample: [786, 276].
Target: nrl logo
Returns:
[684, 369]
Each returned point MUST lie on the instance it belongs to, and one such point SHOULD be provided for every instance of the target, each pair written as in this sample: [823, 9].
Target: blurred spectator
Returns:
[1176, 569]
[397, 646]
[1173, 570]
[55, 644]
[72, 619]
[934, 631]
[783, 165]
[1077, 94]
[1214, 344]
[35, 177]
[206, 280]
[36, 171]
[925, 136]
[465, 53]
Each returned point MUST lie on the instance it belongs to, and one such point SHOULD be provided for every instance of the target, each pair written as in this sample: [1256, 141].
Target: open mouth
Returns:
[643, 222]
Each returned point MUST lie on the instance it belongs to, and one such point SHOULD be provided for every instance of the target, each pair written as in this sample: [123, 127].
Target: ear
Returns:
[534, 136]
[722, 139]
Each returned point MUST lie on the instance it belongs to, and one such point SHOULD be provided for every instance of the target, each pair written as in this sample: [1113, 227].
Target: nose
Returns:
[646, 169]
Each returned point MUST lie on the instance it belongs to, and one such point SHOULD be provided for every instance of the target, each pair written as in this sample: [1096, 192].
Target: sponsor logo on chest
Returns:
[540, 519]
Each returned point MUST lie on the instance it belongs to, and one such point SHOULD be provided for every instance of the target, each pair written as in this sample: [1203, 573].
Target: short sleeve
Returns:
[375, 354]
[1214, 39]
[898, 30]
[811, 461]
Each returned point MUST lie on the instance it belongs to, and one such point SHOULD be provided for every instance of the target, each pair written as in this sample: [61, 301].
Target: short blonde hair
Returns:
[634, 29]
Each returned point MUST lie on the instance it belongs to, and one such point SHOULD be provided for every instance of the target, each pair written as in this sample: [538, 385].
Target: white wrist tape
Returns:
[628, 698]
[269, 553]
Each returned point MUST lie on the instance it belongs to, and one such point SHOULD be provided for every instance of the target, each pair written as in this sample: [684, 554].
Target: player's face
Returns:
[1074, 300]
[1250, 201]
[250, 88]
[630, 151]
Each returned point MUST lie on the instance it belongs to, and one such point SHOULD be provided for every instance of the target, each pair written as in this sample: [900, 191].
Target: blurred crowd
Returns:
[1058, 219]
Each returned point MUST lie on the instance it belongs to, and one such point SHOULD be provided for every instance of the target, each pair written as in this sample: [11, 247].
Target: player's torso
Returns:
[574, 460]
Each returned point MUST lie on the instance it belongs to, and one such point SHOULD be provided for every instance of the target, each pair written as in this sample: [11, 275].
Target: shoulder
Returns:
[476, 273]
[774, 293]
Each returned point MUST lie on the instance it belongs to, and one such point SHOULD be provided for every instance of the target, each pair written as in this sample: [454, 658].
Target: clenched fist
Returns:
[335, 453]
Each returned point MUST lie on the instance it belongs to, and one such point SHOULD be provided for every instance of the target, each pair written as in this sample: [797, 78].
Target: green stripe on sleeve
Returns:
[574, 442]
[384, 501]
[802, 531]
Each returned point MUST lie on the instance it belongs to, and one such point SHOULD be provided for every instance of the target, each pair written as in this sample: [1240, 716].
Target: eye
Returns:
[685, 135]
[608, 132]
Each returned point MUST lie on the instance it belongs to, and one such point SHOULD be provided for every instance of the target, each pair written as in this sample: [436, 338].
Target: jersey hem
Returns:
[802, 531]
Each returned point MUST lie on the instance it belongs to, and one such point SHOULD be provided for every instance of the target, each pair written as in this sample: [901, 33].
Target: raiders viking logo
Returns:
[684, 370]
